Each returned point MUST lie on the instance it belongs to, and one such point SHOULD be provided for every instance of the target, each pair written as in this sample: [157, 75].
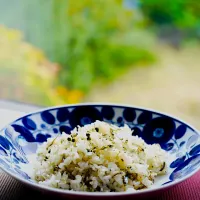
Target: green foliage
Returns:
[87, 38]
[178, 13]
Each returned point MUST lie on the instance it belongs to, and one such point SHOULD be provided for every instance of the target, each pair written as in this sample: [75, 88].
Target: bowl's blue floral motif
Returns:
[158, 130]
[85, 115]
[129, 114]
[185, 168]
[23, 136]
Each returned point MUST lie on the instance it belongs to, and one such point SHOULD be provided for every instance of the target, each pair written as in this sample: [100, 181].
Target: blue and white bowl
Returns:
[20, 140]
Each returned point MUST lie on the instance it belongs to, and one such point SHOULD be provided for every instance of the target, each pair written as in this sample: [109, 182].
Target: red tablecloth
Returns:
[187, 190]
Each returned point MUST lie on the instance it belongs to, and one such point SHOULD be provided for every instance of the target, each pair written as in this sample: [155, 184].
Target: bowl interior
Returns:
[20, 140]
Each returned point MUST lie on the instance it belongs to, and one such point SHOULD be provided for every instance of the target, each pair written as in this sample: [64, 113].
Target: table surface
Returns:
[11, 189]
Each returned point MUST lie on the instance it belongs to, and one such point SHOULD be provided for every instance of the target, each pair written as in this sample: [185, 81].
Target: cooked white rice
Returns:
[99, 157]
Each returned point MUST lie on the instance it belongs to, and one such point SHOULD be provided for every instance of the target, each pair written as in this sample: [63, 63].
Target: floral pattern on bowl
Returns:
[20, 139]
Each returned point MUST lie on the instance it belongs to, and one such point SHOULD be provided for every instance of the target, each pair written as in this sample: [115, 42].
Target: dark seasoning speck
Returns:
[97, 129]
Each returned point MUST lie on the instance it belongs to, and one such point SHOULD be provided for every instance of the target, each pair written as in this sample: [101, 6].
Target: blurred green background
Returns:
[141, 52]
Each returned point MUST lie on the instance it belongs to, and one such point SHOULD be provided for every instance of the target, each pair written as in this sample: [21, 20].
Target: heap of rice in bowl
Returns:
[99, 157]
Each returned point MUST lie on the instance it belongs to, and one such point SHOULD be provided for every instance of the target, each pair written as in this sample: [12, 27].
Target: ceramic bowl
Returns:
[21, 138]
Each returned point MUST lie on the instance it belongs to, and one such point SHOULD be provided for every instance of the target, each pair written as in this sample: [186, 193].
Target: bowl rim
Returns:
[103, 194]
